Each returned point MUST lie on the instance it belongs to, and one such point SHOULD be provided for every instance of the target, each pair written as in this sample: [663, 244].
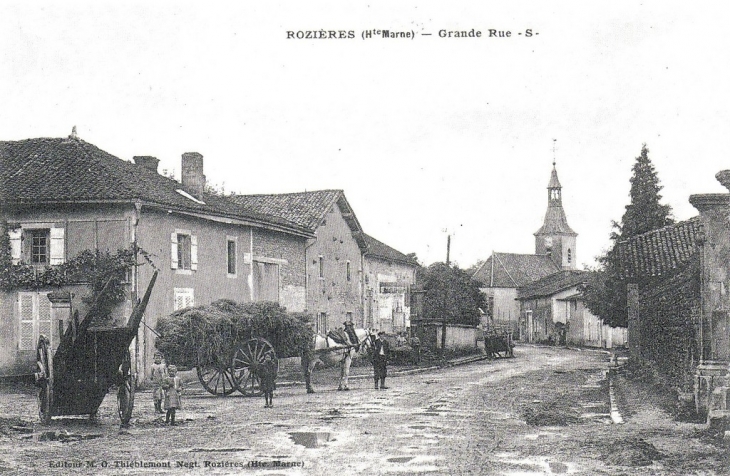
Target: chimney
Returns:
[192, 173]
[147, 162]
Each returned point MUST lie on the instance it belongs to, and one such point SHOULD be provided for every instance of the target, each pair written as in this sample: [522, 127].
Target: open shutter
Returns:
[16, 242]
[57, 251]
[44, 317]
[25, 311]
[193, 252]
[173, 250]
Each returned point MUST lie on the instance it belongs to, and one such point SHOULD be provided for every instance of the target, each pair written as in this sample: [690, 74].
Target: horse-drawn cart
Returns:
[235, 368]
[498, 342]
[88, 362]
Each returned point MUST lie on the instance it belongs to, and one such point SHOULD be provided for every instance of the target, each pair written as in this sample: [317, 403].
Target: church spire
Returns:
[555, 237]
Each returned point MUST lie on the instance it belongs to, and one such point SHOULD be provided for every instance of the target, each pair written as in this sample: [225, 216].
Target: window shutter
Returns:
[57, 246]
[44, 317]
[173, 250]
[25, 311]
[193, 252]
[16, 245]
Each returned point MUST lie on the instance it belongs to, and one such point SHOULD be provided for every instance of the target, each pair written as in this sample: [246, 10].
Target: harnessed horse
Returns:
[325, 345]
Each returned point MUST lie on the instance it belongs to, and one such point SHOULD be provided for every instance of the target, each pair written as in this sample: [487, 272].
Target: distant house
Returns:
[63, 196]
[350, 275]
[389, 275]
[501, 275]
[554, 312]
[333, 261]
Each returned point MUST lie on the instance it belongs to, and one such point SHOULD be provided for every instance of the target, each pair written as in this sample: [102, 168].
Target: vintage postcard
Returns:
[319, 237]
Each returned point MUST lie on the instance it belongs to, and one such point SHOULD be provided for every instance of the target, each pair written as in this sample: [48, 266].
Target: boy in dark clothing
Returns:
[267, 380]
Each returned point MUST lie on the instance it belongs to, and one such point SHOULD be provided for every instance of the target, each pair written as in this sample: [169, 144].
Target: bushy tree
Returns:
[451, 294]
[605, 292]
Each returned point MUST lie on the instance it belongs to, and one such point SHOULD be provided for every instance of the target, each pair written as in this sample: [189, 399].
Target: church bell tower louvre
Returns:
[555, 238]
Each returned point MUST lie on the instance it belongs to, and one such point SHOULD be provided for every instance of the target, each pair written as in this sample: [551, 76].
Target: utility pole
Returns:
[448, 249]
[446, 297]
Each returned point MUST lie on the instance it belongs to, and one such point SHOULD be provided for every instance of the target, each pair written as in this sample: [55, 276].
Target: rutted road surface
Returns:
[469, 419]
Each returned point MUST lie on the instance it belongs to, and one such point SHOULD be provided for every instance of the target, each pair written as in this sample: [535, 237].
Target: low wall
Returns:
[458, 336]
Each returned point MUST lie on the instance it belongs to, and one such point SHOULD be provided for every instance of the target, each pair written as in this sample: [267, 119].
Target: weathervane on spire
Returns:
[554, 141]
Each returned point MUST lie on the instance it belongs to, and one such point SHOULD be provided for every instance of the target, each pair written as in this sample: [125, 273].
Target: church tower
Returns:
[555, 238]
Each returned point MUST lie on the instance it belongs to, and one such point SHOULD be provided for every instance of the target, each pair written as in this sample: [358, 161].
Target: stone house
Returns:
[501, 275]
[554, 312]
[388, 278]
[678, 304]
[333, 253]
[62, 196]
[350, 275]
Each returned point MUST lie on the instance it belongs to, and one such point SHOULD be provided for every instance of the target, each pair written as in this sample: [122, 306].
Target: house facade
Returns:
[350, 275]
[678, 305]
[388, 278]
[553, 311]
[64, 196]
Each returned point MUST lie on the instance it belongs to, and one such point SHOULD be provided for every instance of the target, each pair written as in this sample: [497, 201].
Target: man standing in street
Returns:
[381, 351]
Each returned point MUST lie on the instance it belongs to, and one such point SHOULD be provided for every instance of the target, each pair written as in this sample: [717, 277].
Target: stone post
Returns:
[634, 326]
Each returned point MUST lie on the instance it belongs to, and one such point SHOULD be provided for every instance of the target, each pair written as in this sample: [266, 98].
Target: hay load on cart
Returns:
[225, 341]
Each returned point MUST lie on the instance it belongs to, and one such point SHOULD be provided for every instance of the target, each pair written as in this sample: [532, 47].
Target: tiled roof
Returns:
[58, 170]
[659, 251]
[510, 270]
[552, 284]
[306, 209]
[380, 250]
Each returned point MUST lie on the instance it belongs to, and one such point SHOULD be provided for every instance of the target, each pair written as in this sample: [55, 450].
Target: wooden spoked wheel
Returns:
[44, 379]
[215, 376]
[125, 393]
[245, 362]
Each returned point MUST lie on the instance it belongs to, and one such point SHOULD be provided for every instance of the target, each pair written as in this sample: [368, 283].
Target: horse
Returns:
[324, 345]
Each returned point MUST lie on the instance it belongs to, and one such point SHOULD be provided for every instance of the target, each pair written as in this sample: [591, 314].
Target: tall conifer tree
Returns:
[605, 292]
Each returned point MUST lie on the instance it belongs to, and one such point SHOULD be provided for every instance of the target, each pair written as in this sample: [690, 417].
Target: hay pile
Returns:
[210, 333]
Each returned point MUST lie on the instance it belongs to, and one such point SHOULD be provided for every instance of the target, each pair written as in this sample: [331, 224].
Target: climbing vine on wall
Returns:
[107, 274]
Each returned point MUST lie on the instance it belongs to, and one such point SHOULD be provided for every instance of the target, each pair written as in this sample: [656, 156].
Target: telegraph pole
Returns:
[446, 297]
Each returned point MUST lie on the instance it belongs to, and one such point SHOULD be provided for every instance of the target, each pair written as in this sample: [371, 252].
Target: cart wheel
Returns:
[44, 379]
[125, 394]
[215, 377]
[245, 360]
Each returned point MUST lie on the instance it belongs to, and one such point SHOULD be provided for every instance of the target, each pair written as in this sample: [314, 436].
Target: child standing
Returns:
[173, 390]
[267, 380]
[159, 374]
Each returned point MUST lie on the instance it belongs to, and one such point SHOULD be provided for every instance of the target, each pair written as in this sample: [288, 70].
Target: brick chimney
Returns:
[192, 173]
[147, 162]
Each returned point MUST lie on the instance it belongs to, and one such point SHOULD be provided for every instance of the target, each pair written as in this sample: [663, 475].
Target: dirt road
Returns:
[471, 419]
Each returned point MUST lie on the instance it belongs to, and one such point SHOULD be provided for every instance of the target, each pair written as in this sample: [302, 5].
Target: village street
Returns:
[468, 419]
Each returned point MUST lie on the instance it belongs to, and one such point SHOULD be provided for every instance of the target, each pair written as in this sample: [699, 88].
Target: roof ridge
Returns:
[507, 271]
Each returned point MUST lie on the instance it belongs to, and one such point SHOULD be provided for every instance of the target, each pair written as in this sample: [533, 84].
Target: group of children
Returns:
[168, 388]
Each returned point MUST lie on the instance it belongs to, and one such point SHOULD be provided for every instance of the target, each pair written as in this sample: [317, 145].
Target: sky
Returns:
[428, 137]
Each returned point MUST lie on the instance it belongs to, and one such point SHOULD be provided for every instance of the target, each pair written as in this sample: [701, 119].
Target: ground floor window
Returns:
[34, 311]
[184, 297]
[321, 323]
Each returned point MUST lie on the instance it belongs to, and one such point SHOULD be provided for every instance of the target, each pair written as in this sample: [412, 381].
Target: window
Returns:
[321, 323]
[349, 272]
[184, 297]
[231, 248]
[184, 251]
[569, 255]
[321, 267]
[39, 246]
[34, 311]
